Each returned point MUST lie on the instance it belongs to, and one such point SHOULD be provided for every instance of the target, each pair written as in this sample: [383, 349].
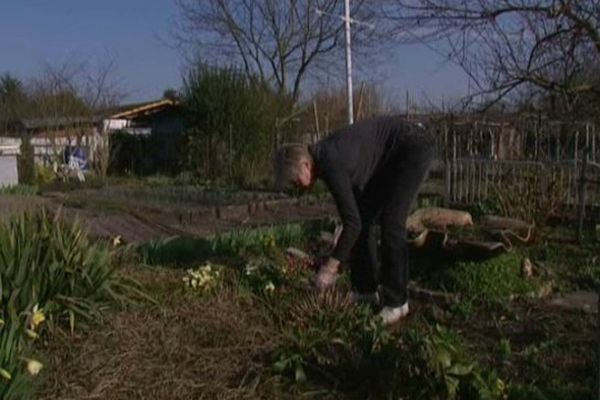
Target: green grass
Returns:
[574, 267]
[491, 280]
[20, 190]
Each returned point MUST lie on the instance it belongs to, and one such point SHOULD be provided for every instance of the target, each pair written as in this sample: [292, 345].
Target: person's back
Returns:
[363, 149]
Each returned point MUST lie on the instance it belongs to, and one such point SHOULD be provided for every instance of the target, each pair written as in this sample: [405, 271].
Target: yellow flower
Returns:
[33, 366]
[36, 318]
[5, 374]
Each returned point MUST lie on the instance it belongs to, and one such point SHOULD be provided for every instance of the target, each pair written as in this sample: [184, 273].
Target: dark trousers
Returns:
[388, 197]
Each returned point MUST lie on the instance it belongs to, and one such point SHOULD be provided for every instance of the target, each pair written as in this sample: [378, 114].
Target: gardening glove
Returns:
[327, 275]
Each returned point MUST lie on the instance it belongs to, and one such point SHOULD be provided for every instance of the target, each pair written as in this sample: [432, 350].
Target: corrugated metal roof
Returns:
[38, 123]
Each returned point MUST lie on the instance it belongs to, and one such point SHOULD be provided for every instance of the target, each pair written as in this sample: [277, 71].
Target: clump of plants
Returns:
[204, 279]
[241, 243]
[495, 279]
[327, 337]
[329, 340]
[49, 271]
[432, 363]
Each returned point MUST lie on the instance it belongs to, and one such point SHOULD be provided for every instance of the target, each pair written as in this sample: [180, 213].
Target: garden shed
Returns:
[9, 174]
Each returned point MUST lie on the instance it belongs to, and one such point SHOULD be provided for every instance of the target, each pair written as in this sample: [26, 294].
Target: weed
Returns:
[505, 350]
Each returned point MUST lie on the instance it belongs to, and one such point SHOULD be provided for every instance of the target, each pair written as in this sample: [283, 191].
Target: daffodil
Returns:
[5, 374]
[33, 366]
[36, 318]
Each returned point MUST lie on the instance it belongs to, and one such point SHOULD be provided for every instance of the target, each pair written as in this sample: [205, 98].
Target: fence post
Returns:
[447, 162]
[598, 346]
[581, 194]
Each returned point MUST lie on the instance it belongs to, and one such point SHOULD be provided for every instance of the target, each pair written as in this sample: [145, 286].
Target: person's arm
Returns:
[340, 186]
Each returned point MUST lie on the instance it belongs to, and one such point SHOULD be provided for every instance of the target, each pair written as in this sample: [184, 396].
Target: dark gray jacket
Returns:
[350, 157]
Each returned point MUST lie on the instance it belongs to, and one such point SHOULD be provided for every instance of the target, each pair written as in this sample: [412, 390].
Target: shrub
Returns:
[233, 122]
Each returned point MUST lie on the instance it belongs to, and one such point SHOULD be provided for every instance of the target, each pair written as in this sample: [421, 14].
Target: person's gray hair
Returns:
[286, 164]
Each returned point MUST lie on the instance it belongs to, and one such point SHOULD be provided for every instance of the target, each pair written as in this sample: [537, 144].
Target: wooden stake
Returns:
[581, 193]
[316, 115]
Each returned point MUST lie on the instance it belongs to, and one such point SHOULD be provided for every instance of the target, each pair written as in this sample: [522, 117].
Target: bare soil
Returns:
[138, 221]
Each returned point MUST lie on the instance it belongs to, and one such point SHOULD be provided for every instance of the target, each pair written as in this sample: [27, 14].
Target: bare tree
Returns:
[549, 46]
[279, 40]
[76, 88]
[77, 94]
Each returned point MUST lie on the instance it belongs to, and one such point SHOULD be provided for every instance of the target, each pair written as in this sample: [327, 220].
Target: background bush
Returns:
[234, 121]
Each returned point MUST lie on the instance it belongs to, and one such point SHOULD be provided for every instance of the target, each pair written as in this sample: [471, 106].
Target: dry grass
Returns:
[186, 347]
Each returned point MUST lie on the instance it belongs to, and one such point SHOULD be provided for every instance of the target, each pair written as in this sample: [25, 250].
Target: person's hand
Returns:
[327, 274]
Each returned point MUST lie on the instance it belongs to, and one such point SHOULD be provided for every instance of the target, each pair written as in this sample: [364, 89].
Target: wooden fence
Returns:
[525, 157]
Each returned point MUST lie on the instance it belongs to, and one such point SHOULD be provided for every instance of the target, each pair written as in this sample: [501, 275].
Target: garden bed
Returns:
[233, 316]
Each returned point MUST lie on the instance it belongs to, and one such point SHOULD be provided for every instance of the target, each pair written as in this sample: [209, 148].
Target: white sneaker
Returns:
[391, 315]
[365, 298]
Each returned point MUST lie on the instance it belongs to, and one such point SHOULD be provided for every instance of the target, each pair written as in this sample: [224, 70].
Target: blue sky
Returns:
[34, 32]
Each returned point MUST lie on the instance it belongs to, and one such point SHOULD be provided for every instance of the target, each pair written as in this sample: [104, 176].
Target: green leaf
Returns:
[461, 369]
[443, 358]
[280, 366]
[300, 374]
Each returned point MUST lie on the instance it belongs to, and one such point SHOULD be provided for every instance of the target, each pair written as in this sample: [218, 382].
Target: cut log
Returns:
[437, 218]
[440, 242]
[494, 222]
[508, 230]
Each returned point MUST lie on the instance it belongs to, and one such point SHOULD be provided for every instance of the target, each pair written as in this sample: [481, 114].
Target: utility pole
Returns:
[347, 26]
[349, 93]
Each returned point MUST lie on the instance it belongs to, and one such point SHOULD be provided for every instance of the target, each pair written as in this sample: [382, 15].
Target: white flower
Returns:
[269, 287]
[116, 240]
[33, 366]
